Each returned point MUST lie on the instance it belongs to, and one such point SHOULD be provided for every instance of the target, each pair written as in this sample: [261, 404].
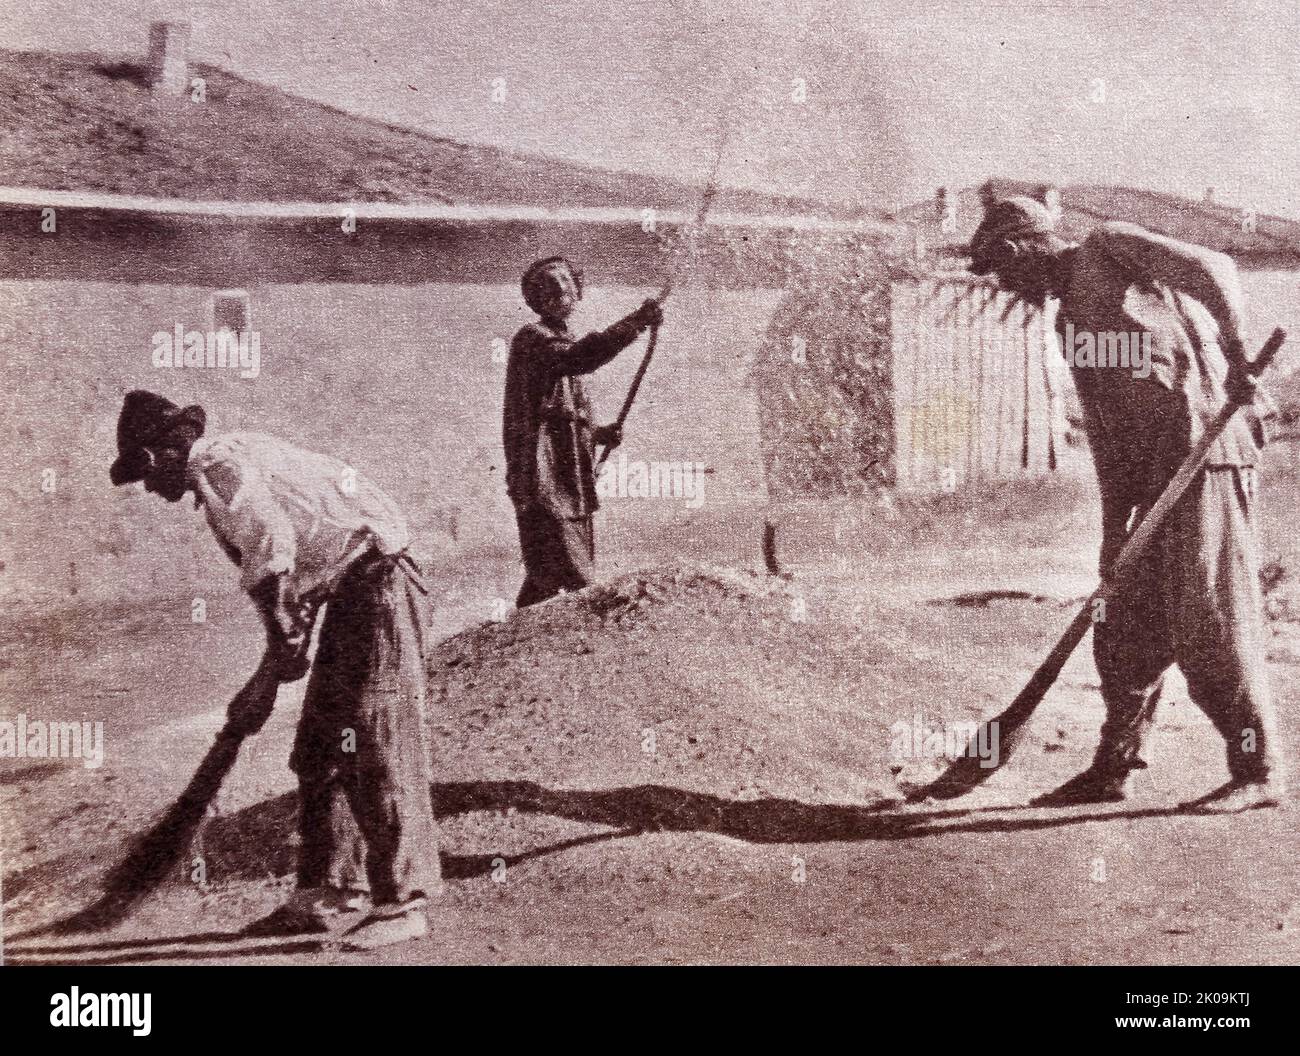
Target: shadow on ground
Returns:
[626, 812]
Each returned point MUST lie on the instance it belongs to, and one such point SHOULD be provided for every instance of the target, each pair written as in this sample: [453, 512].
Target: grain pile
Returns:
[687, 677]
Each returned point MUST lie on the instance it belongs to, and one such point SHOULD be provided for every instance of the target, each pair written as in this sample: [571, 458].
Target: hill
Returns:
[1256, 242]
[90, 122]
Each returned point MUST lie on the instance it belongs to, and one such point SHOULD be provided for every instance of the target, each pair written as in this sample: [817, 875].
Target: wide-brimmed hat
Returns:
[146, 418]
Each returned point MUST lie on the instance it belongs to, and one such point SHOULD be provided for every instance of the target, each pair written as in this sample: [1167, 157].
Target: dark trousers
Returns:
[362, 750]
[559, 554]
[1195, 601]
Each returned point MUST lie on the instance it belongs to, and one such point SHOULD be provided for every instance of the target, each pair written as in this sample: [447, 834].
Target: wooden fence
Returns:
[979, 388]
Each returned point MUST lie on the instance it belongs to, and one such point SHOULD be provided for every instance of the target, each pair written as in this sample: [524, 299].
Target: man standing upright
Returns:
[306, 531]
[1194, 600]
[548, 433]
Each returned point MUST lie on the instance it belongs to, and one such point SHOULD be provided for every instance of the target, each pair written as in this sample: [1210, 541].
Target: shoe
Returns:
[1239, 794]
[310, 911]
[389, 925]
[1092, 786]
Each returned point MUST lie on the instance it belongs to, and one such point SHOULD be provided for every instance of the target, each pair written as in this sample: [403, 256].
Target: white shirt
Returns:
[280, 509]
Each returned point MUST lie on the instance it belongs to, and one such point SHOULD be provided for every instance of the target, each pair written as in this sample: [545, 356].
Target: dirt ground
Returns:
[694, 764]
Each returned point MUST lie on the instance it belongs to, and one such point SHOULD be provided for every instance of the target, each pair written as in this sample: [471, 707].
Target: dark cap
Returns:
[146, 418]
[1008, 220]
[531, 282]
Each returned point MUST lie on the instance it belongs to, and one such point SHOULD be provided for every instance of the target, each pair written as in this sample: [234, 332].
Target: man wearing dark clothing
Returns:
[548, 434]
[1195, 600]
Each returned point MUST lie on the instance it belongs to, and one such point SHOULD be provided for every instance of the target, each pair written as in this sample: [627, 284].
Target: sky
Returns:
[898, 97]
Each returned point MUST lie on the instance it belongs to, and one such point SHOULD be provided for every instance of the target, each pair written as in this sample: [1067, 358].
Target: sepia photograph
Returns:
[666, 482]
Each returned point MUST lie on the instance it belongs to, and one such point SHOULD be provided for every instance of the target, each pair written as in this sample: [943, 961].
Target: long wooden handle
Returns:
[967, 771]
[644, 366]
[639, 377]
[1192, 464]
[153, 855]
[706, 203]
[1138, 540]
[632, 392]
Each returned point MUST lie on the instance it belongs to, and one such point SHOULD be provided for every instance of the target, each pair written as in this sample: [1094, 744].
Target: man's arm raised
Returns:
[599, 347]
